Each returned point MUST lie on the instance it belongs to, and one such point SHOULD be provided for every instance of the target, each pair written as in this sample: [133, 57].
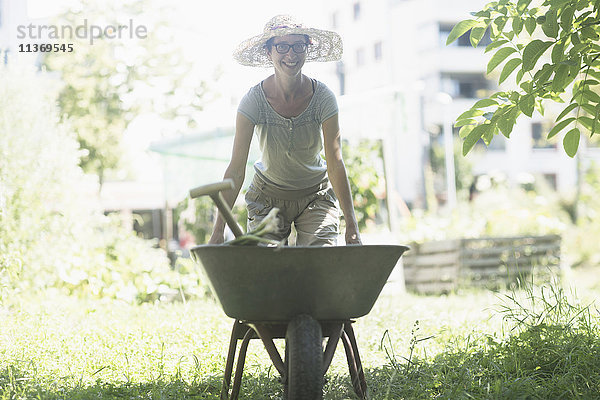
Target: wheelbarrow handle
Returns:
[214, 191]
[212, 188]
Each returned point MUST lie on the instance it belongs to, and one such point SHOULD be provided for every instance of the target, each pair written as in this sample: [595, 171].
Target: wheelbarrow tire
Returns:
[304, 359]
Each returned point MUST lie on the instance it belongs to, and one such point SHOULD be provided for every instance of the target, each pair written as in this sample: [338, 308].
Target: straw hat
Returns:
[325, 45]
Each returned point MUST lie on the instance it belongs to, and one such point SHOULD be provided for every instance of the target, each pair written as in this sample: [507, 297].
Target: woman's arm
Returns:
[339, 178]
[236, 171]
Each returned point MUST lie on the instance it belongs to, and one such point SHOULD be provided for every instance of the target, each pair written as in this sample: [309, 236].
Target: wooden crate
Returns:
[444, 266]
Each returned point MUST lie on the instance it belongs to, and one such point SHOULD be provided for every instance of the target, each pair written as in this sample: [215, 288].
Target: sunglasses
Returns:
[298, 48]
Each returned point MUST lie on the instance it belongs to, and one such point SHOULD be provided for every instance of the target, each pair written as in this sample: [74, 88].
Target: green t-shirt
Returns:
[291, 147]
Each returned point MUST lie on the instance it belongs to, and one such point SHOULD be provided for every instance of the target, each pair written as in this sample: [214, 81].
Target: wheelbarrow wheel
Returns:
[304, 359]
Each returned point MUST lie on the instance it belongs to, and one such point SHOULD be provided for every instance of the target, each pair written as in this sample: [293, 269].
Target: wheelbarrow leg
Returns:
[354, 364]
[239, 368]
[239, 331]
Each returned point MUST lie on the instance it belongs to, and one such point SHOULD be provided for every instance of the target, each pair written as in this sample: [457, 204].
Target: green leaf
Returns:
[566, 17]
[485, 103]
[522, 5]
[527, 104]
[539, 105]
[519, 76]
[508, 120]
[495, 44]
[541, 77]
[465, 130]
[488, 135]
[517, 24]
[591, 96]
[591, 82]
[558, 52]
[477, 34]
[587, 122]
[530, 25]
[594, 74]
[588, 33]
[498, 57]
[482, 13]
[464, 122]
[460, 29]
[532, 52]
[527, 86]
[571, 142]
[559, 127]
[575, 38]
[589, 108]
[550, 25]
[473, 112]
[566, 110]
[559, 3]
[500, 112]
[577, 50]
[573, 71]
[473, 137]
[500, 23]
[561, 78]
[508, 69]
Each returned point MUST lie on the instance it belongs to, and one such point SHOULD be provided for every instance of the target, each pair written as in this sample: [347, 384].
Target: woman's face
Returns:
[289, 62]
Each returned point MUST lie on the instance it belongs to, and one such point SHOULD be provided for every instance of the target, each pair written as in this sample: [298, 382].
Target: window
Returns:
[465, 85]
[377, 51]
[340, 71]
[360, 57]
[550, 180]
[539, 131]
[335, 20]
[356, 10]
[464, 40]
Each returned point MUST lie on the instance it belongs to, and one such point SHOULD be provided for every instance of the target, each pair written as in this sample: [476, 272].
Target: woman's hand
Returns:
[352, 236]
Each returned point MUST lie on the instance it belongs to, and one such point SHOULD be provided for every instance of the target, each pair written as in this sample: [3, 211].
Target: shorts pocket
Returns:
[255, 204]
[328, 195]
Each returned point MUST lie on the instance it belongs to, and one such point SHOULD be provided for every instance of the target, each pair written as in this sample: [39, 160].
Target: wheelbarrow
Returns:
[300, 294]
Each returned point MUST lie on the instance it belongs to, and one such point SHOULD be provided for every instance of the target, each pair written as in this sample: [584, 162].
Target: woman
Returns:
[295, 117]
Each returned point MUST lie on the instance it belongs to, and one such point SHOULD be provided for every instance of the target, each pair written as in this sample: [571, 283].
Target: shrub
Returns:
[497, 211]
[51, 234]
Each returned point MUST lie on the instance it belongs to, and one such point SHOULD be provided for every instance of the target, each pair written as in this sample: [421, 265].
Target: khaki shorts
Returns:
[316, 217]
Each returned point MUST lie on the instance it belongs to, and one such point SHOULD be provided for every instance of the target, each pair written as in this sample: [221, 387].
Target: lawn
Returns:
[452, 347]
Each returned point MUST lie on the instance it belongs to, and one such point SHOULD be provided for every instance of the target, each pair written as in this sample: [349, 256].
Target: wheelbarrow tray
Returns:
[256, 283]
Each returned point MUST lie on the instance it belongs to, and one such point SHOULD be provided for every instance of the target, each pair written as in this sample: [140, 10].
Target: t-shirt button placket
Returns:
[290, 138]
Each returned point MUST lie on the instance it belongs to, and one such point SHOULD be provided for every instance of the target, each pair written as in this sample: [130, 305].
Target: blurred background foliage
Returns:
[492, 207]
[51, 235]
[107, 84]
[364, 164]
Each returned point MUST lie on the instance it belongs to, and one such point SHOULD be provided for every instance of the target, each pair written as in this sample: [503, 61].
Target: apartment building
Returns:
[398, 81]
[14, 14]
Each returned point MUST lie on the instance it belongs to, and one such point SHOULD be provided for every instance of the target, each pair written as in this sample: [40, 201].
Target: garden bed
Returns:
[445, 266]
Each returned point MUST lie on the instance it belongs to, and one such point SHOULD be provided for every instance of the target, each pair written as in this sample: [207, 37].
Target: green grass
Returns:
[530, 344]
